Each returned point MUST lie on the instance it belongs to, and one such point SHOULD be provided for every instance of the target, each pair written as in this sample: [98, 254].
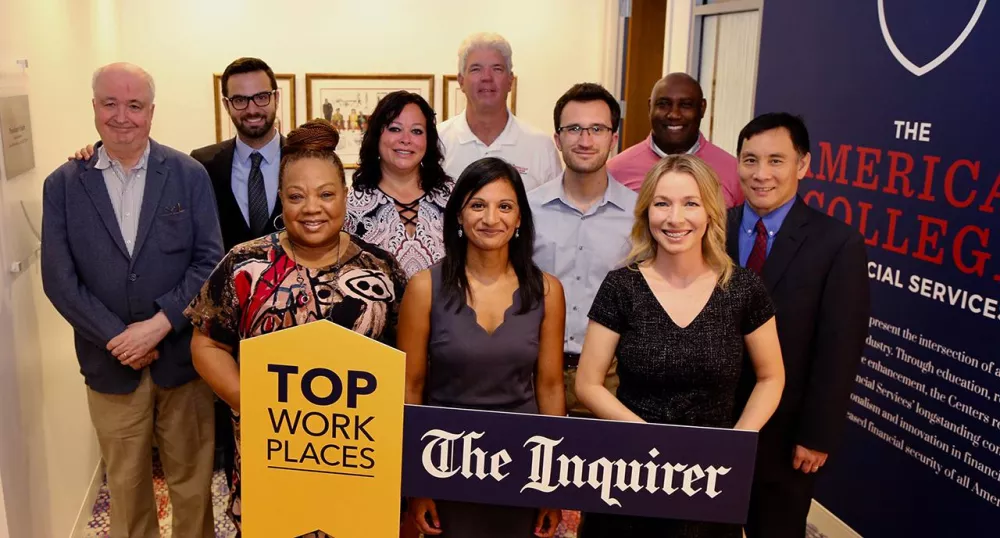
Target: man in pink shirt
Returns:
[676, 108]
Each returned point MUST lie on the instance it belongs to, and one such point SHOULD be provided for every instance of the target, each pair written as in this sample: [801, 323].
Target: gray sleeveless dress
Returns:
[472, 369]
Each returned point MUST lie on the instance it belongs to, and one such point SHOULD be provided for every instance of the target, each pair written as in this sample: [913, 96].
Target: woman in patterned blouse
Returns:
[400, 189]
[311, 270]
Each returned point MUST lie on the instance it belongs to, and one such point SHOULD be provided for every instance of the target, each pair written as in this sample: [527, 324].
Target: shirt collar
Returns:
[507, 137]
[772, 221]
[271, 151]
[661, 154]
[616, 193]
[104, 160]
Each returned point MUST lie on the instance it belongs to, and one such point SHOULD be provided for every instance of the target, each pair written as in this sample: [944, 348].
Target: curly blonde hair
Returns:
[713, 244]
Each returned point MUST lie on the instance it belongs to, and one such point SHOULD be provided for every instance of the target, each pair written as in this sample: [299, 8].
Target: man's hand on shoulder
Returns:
[82, 154]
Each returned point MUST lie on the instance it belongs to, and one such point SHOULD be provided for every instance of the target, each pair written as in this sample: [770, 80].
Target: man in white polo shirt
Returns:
[486, 128]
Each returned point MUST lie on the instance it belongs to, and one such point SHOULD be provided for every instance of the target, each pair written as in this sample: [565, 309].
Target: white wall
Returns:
[48, 451]
[677, 40]
[556, 43]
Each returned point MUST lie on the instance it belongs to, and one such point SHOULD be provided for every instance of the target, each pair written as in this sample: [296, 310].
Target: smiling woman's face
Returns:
[313, 202]
[491, 215]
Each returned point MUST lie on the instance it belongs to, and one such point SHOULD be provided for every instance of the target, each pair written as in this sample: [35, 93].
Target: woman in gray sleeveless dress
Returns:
[483, 330]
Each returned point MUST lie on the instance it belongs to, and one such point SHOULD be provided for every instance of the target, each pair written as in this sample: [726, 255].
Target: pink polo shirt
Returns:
[630, 167]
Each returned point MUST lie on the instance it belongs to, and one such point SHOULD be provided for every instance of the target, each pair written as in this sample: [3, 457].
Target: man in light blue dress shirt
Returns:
[583, 221]
[772, 223]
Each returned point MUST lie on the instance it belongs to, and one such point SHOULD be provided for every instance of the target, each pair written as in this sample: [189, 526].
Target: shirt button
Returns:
[581, 248]
[133, 277]
[128, 214]
[578, 278]
[575, 309]
[570, 337]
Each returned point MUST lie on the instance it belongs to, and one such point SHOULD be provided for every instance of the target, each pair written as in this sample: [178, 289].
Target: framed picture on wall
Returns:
[347, 101]
[454, 99]
[284, 119]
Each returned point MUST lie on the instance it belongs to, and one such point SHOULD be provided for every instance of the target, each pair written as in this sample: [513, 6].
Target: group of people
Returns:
[355, 121]
[673, 283]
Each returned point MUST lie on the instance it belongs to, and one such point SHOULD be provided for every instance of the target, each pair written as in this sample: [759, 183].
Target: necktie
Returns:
[257, 196]
[755, 262]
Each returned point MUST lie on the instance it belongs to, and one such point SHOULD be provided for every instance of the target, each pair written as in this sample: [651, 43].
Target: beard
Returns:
[256, 131]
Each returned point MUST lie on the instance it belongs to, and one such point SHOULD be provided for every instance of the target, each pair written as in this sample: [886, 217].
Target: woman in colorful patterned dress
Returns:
[311, 270]
[400, 190]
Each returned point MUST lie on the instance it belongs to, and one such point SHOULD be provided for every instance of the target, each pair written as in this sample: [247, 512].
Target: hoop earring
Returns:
[275, 224]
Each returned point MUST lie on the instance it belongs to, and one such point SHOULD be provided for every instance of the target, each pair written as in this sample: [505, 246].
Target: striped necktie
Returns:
[257, 196]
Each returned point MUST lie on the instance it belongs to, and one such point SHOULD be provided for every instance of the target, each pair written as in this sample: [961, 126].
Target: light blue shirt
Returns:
[772, 223]
[268, 166]
[580, 248]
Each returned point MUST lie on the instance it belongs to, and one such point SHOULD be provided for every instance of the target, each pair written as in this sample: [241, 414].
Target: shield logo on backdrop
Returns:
[920, 70]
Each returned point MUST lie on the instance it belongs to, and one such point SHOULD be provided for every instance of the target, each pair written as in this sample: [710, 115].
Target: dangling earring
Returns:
[460, 232]
[517, 232]
[275, 223]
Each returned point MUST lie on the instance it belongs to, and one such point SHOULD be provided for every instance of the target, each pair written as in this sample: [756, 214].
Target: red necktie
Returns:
[755, 262]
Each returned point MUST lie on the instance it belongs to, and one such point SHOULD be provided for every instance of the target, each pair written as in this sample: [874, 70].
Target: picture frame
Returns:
[284, 121]
[454, 100]
[327, 93]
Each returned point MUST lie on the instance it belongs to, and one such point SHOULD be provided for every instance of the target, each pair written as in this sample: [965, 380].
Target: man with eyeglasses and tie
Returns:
[244, 169]
[244, 172]
[583, 220]
[676, 108]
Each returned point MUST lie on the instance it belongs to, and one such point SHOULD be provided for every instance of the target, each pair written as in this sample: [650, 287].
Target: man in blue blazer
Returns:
[128, 238]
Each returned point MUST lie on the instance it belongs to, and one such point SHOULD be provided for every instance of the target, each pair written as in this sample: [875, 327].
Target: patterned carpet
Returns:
[100, 521]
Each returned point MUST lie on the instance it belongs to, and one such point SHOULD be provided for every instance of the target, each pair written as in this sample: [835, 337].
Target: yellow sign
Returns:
[322, 433]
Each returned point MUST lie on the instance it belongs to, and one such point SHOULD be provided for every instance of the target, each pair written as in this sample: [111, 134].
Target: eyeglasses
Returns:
[240, 102]
[576, 131]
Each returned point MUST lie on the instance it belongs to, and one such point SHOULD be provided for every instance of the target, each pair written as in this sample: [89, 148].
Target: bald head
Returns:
[676, 106]
[119, 69]
[678, 80]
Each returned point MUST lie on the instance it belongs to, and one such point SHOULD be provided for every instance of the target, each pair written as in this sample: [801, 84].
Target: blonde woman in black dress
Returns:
[679, 317]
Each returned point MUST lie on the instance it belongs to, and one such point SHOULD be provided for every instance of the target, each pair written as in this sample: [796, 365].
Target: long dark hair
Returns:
[454, 281]
[389, 107]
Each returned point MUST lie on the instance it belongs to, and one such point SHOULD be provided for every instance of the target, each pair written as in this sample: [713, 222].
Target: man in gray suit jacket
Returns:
[128, 239]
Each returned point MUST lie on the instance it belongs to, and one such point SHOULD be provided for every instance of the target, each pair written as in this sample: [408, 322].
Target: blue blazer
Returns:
[92, 281]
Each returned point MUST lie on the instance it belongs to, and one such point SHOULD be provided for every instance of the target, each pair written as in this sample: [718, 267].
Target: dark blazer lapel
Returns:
[93, 182]
[222, 172]
[277, 201]
[791, 236]
[733, 220]
[156, 179]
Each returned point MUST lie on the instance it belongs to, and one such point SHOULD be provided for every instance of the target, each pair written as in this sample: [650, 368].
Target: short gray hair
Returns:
[485, 40]
[124, 66]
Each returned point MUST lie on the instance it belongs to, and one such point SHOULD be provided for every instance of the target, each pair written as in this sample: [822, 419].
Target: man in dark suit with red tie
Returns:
[244, 169]
[815, 268]
[244, 172]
